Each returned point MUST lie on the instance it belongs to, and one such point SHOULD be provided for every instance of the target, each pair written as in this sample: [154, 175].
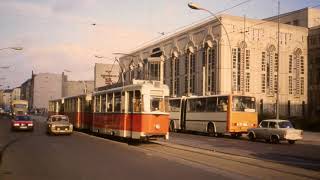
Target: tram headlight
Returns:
[157, 126]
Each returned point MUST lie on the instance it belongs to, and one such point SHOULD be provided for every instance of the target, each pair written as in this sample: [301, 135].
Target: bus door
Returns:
[183, 113]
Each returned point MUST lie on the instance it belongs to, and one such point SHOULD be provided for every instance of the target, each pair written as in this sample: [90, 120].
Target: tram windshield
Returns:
[157, 103]
[243, 104]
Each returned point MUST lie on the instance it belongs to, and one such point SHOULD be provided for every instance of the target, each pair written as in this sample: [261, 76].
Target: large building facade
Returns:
[309, 18]
[240, 57]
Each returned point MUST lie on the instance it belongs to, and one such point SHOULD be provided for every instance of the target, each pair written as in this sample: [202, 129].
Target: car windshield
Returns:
[285, 124]
[23, 118]
[60, 118]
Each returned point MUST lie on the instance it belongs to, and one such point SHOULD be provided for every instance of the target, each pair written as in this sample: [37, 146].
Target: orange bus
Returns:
[215, 115]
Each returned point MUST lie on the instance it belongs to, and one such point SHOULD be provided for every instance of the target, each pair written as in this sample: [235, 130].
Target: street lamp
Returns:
[197, 7]
[13, 48]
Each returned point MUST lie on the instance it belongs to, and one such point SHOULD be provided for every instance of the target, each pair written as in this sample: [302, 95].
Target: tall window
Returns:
[155, 71]
[241, 68]
[190, 77]
[296, 73]
[174, 76]
[209, 63]
[269, 66]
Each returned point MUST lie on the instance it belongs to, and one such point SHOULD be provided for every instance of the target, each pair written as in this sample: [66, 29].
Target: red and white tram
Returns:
[134, 111]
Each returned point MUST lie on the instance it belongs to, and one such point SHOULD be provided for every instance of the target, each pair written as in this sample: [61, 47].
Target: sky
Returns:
[58, 35]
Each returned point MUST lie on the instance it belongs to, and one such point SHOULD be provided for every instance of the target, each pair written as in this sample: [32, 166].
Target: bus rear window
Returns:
[20, 106]
[243, 104]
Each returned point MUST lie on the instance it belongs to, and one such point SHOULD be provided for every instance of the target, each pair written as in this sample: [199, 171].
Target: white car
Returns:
[275, 130]
[59, 124]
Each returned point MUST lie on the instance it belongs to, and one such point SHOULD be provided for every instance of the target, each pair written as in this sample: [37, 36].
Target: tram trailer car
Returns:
[56, 107]
[79, 110]
[136, 111]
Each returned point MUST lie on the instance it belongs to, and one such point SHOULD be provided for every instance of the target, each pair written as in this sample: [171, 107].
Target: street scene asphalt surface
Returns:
[35, 155]
[304, 154]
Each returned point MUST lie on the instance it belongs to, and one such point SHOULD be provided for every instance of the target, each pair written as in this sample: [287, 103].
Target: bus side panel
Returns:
[175, 117]
[198, 121]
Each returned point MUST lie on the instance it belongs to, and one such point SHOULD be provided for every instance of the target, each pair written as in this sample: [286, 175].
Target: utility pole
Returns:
[278, 75]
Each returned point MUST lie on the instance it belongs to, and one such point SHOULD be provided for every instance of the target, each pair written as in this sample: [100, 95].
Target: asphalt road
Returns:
[304, 154]
[35, 155]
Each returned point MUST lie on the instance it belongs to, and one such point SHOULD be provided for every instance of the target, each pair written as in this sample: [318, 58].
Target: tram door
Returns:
[130, 111]
[183, 113]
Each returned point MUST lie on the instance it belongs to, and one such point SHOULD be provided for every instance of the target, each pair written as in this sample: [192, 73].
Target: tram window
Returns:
[117, 102]
[137, 101]
[211, 104]
[98, 103]
[103, 103]
[109, 102]
[174, 105]
[130, 101]
[222, 103]
[157, 104]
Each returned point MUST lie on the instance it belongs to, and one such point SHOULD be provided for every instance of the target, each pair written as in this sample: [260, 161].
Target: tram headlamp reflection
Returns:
[157, 126]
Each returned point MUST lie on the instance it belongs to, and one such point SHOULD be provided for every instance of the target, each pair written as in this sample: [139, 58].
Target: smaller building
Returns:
[73, 88]
[106, 74]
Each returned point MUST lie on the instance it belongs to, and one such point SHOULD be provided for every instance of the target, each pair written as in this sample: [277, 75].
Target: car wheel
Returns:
[291, 141]
[210, 130]
[275, 139]
[251, 136]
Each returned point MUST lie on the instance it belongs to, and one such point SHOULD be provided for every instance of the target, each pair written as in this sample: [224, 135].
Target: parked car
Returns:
[275, 130]
[22, 122]
[59, 124]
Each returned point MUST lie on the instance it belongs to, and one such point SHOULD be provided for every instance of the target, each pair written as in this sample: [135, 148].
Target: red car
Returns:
[22, 122]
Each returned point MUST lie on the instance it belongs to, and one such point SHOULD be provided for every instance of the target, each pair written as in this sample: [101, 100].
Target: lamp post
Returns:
[196, 7]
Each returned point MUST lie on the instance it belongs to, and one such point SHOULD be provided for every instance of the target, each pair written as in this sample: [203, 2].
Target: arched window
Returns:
[209, 63]
[296, 73]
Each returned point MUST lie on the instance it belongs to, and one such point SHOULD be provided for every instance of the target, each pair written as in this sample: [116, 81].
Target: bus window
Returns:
[222, 103]
[211, 104]
[137, 101]
[109, 102]
[117, 102]
[174, 105]
[243, 104]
